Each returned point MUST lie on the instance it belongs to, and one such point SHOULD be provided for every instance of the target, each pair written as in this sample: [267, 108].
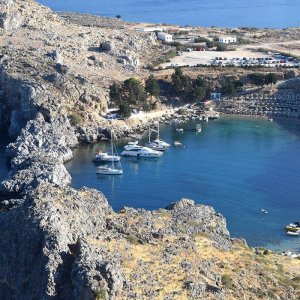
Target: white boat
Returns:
[179, 130]
[134, 150]
[105, 170]
[113, 169]
[157, 144]
[105, 157]
[264, 211]
[198, 128]
[293, 227]
[177, 144]
[293, 233]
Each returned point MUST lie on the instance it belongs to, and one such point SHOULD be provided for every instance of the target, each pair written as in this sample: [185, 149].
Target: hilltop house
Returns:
[165, 37]
[227, 39]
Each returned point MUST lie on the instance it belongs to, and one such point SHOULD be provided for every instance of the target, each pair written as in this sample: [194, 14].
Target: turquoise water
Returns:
[4, 166]
[238, 166]
[228, 13]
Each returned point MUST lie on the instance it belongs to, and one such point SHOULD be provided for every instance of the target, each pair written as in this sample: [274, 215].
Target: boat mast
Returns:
[149, 133]
[158, 130]
[112, 148]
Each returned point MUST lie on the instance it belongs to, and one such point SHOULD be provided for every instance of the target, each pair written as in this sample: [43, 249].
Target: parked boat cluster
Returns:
[154, 148]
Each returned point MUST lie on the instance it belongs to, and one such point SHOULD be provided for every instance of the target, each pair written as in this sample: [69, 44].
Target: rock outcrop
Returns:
[39, 153]
[66, 244]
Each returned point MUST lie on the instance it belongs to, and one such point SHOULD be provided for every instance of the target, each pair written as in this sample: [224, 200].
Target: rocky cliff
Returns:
[62, 243]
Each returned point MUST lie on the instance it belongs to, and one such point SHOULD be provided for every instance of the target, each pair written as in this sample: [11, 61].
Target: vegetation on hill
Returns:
[132, 93]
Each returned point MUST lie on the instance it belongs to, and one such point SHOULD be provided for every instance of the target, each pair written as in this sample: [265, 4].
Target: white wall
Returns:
[164, 37]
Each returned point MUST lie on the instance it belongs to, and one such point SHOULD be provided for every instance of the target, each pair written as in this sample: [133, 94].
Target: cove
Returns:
[237, 165]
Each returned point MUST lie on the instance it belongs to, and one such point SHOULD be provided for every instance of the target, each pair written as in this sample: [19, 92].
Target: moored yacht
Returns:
[105, 157]
[157, 144]
[135, 150]
[114, 169]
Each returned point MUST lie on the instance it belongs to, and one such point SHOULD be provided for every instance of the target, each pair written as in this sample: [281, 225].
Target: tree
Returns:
[133, 91]
[125, 110]
[200, 88]
[229, 87]
[152, 86]
[181, 83]
[270, 78]
[258, 79]
[115, 93]
[177, 80]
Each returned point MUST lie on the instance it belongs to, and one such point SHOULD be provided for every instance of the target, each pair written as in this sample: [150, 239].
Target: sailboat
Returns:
[116, 167]
[157, 144]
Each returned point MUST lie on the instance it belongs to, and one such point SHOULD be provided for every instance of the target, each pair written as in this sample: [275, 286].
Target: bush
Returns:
[99, 294]
[226, 281]
[75, 119]
[210, 44]
[132, 239]
[221, 47]
[201, 39]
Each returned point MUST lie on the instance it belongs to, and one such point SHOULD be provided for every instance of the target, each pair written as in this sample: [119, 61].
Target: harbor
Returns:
[259, 172]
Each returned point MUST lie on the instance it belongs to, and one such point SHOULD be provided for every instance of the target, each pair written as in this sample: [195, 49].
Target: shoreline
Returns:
[285, 246]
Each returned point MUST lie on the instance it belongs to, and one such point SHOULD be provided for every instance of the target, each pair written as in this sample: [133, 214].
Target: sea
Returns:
[237, 165]
[220, 13]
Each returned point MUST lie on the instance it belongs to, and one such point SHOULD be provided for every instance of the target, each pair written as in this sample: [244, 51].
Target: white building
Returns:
[227, 39]
[165, 37]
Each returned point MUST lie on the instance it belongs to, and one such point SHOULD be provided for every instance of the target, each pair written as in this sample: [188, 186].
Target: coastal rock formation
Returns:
[39, 153]
[66, 244]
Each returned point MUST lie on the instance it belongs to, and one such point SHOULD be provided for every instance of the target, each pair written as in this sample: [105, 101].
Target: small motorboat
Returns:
[270, 120]
[180, 130]
[293, 227]
[177, 144]
[293, 233]
[198, 128]
[264, 211]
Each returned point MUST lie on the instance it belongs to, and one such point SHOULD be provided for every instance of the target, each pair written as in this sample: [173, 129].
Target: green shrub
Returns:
[201, 39]
[221, 47]
[99, 294]
[132, 239]
[75, 119]
[226, 281]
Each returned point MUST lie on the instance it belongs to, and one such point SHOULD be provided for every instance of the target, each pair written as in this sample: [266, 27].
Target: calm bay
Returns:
[237, 165]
